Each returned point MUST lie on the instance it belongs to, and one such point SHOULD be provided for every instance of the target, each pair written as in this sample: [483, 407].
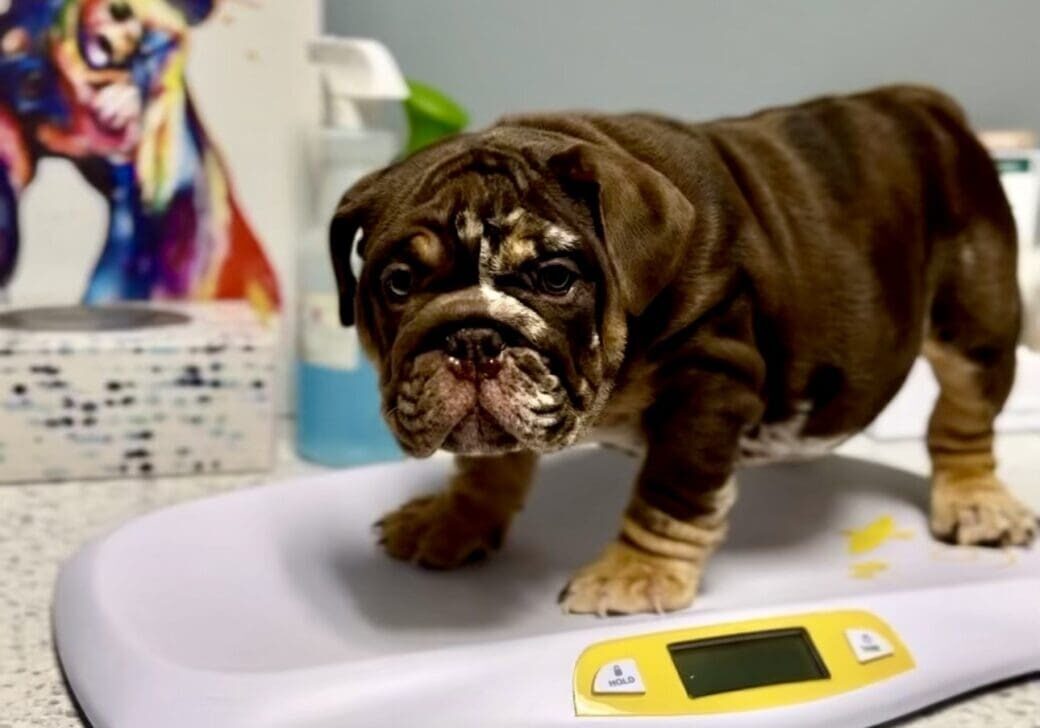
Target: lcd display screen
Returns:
[739, 662]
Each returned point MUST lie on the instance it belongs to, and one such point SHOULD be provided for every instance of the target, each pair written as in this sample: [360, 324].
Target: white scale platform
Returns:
[272, 607]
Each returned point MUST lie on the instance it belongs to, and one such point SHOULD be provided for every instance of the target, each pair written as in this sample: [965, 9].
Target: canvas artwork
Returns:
[103, 84]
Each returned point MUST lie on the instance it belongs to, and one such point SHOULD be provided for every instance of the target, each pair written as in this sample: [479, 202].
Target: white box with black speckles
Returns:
[135, 390]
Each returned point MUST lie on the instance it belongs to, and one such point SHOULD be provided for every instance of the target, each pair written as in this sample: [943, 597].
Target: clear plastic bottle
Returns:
[338, 409]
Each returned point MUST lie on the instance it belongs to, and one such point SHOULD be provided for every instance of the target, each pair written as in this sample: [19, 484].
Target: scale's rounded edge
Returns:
[77, 629]
[73, 632]
[127, 689]
[120, 682]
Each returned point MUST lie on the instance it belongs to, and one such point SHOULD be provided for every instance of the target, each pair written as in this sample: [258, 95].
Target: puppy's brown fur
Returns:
[704, 295]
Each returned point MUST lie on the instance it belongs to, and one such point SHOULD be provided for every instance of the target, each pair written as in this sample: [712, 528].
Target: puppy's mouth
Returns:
[473, 402]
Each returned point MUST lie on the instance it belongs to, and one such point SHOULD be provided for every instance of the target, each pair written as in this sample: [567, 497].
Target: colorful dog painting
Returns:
[102, 83]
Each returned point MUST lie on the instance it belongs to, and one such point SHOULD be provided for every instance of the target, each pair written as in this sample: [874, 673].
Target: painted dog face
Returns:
[110, 33]
[497, 271]
[116, 55]
[84, 70]
[117, 33]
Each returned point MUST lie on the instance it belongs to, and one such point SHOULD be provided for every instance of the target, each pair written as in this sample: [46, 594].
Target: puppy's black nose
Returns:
[475, 352]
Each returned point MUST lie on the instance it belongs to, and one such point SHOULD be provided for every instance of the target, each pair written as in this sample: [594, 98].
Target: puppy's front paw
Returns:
[435, 532]
[981, 512]
[624, 580]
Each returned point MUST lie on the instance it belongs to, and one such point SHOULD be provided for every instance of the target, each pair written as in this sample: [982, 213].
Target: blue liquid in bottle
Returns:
[338, 416]
[339, 422]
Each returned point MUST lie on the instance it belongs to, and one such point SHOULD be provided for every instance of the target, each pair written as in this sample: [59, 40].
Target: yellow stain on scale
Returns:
[875, 534]
[867, 569]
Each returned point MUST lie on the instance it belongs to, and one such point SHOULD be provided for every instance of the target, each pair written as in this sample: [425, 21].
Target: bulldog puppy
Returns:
[707, 296]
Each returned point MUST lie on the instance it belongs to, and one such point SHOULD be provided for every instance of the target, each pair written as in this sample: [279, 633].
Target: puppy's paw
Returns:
[624, 580]
[435, 532]
[980, 511]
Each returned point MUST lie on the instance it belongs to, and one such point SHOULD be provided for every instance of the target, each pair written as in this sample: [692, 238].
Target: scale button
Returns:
[618, 677]
[868, 645]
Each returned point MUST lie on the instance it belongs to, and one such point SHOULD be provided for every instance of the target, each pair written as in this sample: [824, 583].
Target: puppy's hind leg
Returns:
[467, 520]
[975, 327]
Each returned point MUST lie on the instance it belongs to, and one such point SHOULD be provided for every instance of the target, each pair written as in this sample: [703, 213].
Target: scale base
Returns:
[273, 606]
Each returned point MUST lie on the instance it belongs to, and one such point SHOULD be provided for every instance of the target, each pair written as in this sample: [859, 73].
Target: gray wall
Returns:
[704, 58]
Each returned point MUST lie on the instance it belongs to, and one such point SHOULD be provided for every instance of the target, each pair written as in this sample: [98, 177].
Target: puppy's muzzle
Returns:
[461, 323]
[479, 374]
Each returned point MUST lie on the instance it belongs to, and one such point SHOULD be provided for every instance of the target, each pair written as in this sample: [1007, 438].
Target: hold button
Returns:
[620, 677]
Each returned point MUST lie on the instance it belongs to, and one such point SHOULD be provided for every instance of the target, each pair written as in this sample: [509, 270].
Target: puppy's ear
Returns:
[348, 237]
[645, 222]
[345, 236]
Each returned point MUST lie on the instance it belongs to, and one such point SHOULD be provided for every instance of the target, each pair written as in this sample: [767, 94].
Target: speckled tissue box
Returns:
[135, 390]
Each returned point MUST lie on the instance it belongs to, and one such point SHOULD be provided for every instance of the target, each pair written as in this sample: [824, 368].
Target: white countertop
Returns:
[41, 525]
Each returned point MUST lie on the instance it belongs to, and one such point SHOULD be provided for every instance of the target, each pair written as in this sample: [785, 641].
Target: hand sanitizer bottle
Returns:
[338, 410]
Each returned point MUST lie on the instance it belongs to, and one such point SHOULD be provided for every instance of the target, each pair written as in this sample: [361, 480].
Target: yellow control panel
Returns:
[750, 665]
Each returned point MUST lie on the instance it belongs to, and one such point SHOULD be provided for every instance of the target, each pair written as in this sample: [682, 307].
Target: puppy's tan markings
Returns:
[970, 504]
[624, 580]
[516, 251]
[560, 240]
[525, 237]
[428, 250]
[515, 244]
[467, 520]
[514, 217]
[469, 227]
[655, 565]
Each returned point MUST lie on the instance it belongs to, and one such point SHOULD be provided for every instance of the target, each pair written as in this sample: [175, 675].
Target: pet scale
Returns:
[829, 605]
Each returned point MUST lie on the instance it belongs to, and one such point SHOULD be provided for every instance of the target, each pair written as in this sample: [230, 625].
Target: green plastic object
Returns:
[431, 116]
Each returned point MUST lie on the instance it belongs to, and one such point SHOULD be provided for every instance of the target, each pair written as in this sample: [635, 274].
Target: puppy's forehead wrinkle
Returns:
[485, 161]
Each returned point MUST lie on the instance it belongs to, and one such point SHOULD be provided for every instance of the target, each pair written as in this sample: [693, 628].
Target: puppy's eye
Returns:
[556, 277]
[398, 281]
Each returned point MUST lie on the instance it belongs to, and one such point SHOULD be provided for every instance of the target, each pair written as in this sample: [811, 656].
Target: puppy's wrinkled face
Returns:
[490, 365]
[482, 307]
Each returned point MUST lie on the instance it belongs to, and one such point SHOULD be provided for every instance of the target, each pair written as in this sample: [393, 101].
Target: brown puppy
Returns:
[707, 296]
